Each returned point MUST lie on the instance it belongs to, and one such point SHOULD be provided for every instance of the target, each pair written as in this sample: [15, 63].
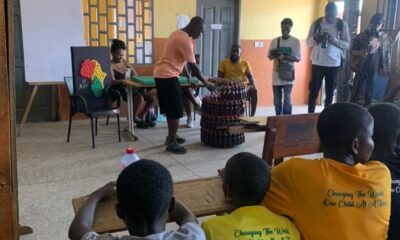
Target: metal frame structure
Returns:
[132, 22]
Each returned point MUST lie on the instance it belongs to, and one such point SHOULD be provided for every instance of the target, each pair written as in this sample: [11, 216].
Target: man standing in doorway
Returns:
[235, 68]
[284, 50]
[329, 37]
[177, 52]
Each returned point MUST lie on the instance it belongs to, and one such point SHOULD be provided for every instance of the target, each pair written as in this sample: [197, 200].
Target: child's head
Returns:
[345, 131]
[144, 192]
[246, 179]
[386, 129]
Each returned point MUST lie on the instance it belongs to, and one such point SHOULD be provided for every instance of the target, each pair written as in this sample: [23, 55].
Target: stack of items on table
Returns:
[222, 108]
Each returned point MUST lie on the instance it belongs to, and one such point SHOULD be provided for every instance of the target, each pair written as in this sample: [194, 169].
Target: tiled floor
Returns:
[51, 172]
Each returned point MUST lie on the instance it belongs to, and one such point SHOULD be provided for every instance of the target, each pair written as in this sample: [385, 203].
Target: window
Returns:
[128, 20]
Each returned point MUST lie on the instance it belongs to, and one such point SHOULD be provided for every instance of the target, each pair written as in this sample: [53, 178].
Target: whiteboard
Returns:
[49, 29]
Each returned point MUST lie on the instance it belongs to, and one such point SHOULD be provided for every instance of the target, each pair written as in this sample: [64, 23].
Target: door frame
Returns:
[236, 30]
[8, 167]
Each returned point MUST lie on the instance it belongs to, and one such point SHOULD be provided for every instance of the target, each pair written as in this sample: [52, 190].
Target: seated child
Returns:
[387, 150]
[342, 195]
[246, 180]
[144, 192]
[142, 101]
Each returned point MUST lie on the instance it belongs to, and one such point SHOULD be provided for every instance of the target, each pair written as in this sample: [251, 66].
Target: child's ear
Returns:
[119, 211]
[172, 205]
[354, 146]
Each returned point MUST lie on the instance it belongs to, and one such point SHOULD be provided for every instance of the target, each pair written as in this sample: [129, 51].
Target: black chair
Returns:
[79, 104]
[80, 89]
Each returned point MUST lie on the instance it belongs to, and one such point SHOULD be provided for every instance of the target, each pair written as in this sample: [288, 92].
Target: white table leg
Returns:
[131, 127]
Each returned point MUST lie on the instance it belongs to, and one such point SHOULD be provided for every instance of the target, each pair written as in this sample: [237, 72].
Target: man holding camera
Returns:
[329, 38]
[284, 51]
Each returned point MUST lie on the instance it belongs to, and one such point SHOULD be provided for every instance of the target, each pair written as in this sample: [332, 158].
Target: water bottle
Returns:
[129, 158]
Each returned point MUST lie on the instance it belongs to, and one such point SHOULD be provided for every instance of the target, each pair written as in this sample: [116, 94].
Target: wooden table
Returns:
[131, 84]
[203, 196]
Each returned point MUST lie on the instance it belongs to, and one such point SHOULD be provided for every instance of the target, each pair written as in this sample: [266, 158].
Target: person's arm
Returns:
[312, 38]
[133, 71]
[342, 41]
[249, 75]
[187, 73]
[182, 214]
[273, 50]
[197, 73]
[83, 220]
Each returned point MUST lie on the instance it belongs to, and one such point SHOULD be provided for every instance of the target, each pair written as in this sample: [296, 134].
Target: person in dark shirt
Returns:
[387, 150]
[366, 60]
[142, 101]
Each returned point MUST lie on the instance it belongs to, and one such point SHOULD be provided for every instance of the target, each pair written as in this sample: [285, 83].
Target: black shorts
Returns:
[169, 97]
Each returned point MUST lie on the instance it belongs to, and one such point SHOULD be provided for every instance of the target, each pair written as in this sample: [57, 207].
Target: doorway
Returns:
[221, 30]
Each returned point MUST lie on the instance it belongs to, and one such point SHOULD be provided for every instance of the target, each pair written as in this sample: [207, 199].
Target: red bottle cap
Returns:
[130, 151]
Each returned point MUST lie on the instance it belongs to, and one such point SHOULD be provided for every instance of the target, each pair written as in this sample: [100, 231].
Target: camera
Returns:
[324, 37]
[275, 53]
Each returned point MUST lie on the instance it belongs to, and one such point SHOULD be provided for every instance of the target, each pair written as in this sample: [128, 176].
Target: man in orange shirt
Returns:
[177, 52]
[342, 195]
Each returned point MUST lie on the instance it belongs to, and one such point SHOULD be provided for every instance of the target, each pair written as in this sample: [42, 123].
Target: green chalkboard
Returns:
[149, 80]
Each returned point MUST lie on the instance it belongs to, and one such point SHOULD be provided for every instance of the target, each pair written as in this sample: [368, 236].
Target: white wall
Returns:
[49, 29]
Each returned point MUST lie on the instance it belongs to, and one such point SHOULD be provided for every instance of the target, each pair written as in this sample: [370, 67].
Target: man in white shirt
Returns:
[284, 50]
[329, 37]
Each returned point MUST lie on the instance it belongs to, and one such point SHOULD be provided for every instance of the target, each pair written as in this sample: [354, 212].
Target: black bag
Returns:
[286, 69]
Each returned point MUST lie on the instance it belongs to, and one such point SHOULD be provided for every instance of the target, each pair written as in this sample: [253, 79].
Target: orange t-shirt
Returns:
[330, 200]
[178, 51]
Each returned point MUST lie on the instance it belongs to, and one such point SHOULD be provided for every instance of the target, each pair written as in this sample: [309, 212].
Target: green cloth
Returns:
[149, 80]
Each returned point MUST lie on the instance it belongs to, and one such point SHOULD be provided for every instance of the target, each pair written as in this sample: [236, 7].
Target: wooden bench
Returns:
[203, 196]
[285, 136]
[290, 135]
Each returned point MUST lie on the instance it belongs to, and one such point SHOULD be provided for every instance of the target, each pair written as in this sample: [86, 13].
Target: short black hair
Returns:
[248, 178]
[196, 21]
[378, 18]
[331, 7]
[287, 21]
[235, 46]
[340, 123]
[144, 190]
[117, 45]
[386, 124]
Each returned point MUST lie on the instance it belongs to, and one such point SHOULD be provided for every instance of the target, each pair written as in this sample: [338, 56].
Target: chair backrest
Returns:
[95, 79]
[69, 83]
[291, 135]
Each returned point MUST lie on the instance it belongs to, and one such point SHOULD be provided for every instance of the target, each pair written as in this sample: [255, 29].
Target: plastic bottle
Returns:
[129, 158]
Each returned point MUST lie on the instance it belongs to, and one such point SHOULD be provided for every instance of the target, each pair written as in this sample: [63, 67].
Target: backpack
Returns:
[339, 23]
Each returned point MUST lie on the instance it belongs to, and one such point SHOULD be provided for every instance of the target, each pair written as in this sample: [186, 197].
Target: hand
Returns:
[211, 87]
[283, 58]
[330, 38]
[106, 191]
[382, 72]
[364, 53]
[221, 172]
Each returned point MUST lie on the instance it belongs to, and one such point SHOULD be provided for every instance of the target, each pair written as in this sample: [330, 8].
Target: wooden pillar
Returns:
[8, 168]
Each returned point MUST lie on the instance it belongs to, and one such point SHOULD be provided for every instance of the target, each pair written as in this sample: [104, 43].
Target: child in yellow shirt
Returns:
[246, 180]
[342, 195]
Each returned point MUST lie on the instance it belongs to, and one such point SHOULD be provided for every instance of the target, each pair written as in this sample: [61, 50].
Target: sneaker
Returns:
[189, 122]
[198, 101]
[174, 147]
[179, 140]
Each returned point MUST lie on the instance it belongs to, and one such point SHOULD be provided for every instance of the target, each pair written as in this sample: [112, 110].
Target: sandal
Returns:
[178, 140]
[175, 148]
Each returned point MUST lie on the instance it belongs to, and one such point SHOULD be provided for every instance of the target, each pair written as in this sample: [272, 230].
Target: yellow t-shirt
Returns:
[330, 200]
[235, 71]
[248, 223]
